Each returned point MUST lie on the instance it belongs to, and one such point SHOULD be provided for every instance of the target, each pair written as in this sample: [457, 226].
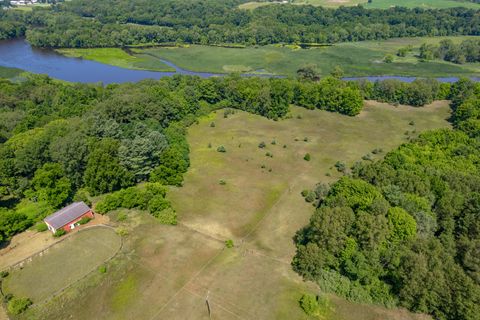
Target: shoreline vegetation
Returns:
[359, 59]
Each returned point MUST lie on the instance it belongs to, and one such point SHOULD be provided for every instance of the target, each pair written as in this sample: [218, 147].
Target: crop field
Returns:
[168, 272]
[356, 58]
[117, 57]
[378, 4]
[63, 264]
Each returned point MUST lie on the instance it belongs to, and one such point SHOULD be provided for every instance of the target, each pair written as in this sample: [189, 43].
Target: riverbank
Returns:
[119, 58]
[357, 59]
[18, 55]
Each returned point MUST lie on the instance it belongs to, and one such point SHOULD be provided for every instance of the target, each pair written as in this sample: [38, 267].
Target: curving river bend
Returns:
[19, 54]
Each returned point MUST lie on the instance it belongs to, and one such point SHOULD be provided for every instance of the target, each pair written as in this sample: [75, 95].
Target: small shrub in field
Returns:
[261, 145]
[274, 142]
[305, 139]
[269, 154]
[4, 274]
[367, 157]
[307, 157]
[122, 232]
[212, 125]
[84, 220]
[7, 297]
[18, 305]
[209, 146]
[284, 146]
[388, 58]
[262, 166]
[309, 304]
[59, 233]
[122, 217]
[304, 193]
[311, 196]
[377, 151]
[167, 216]
[299, 116]
[412, 123]
[221, 149]
[341, 167]
[41, 227]
[270, 170]
[229, 243]
[102, 269]
[222, 182]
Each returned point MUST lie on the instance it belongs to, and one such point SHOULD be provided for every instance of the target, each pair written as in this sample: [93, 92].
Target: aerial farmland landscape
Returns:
[234, 159]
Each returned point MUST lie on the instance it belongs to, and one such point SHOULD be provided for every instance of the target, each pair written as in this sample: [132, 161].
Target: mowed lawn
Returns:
[356, 58]
[168, 272]
[63, 264]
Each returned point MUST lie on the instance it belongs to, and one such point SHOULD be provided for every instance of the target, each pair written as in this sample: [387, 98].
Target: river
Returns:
[19, 54]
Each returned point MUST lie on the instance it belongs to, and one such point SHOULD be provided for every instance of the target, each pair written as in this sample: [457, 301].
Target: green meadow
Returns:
[9, 73]
[356, 58]
[166, 272]
[117, 57]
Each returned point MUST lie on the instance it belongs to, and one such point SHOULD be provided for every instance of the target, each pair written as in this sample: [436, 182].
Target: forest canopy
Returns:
[116, 23]
[405, 230]
[61, 141]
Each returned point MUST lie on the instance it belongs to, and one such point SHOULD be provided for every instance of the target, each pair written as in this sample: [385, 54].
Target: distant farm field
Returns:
[356, 58]
[63, 264]
[378, 4]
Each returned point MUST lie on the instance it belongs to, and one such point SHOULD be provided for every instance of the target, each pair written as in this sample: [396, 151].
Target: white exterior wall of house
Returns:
[51, 228]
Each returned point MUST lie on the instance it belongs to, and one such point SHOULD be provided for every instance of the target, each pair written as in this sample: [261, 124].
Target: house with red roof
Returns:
[68, 217]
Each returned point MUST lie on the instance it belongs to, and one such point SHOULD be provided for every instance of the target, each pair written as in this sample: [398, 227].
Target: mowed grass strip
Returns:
[355, 58]
[63, 264]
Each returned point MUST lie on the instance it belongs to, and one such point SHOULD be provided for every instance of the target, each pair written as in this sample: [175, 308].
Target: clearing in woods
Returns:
[167, 272]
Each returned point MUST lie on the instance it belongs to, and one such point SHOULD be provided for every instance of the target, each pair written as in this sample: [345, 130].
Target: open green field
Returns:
[117, 57]
[166, 272]
[377, 4]
[63, 264]
[9, 73]
[356, 58]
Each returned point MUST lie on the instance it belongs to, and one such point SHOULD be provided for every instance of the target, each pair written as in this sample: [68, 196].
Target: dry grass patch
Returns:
[63, 264]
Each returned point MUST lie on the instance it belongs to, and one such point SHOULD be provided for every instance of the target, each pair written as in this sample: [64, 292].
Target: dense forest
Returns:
[60, 142]
[405, 230]
[466, 51]
[113, 23]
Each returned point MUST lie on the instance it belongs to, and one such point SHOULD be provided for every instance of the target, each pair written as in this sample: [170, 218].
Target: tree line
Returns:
[114, 23]
[466, 51]
[61, 142]
[405, 230]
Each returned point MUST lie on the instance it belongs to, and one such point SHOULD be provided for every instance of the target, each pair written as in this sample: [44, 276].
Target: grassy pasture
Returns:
[357, 59]
[166, 272]
[117, 57]
[63, 264]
